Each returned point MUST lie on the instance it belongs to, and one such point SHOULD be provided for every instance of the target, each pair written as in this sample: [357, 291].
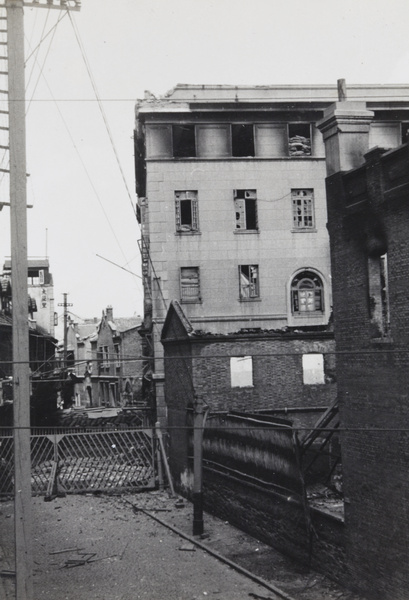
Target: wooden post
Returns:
[159, 457]
[19, 263]
[198, 421]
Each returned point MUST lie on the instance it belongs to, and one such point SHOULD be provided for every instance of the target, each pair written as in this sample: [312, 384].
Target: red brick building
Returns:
[368, 223]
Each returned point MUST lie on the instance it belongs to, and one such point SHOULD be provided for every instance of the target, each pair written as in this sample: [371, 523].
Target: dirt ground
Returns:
[140, 546]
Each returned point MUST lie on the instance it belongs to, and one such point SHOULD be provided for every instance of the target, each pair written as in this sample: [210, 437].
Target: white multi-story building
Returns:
[232, 206]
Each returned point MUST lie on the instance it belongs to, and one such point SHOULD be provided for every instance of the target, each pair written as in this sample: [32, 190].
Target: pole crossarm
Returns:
[59, 4]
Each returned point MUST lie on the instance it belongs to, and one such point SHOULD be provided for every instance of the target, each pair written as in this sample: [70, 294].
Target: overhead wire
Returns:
[83, 164]
[101, 108]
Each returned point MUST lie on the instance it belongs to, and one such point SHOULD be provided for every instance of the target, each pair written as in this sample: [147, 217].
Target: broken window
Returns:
[313, 369]
[186, 211]
[242, 140]
[307, 293]
[299, 139]
[303, 209]
[184, 141]
[245, 205]
[189, 284]
[241, 371]
[378, 295]
[249, 284]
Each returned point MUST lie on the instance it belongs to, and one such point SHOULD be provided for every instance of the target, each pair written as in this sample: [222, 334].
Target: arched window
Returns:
[307, 293]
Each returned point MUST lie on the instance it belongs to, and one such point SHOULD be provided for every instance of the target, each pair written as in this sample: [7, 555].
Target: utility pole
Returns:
[65, 304]
[19, 272]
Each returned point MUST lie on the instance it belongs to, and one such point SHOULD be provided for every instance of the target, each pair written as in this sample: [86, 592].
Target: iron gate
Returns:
[96, 461]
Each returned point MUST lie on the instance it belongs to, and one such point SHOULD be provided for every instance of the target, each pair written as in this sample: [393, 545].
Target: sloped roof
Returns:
[125, 323]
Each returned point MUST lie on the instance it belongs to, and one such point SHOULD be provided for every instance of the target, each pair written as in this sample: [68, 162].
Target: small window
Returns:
[249, 283]
[189, 284]
[186, 211]
[245, 205]
[242, 140]
[184, 141]
[405, 133]
[303, 209]
[117, 357]
[307, 294]
[378, 287]
[299, 139]
[313, 369]
[241, 371]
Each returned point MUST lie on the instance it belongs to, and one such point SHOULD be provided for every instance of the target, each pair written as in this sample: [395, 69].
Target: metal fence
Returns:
[83, 461]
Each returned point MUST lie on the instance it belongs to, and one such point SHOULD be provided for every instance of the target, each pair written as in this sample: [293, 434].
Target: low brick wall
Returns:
[279, 522]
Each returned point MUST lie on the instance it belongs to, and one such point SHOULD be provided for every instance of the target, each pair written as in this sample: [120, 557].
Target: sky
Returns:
[84, 78]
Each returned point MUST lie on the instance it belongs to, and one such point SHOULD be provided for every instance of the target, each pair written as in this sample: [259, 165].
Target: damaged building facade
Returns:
[231, 202]
[368, 222]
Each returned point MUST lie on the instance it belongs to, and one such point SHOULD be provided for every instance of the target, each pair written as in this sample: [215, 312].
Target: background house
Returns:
[117, 348]
[231, 186]
[368, 222]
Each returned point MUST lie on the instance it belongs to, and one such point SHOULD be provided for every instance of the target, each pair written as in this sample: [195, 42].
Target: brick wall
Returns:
[279, 522]
[277, 373]
[368, 215]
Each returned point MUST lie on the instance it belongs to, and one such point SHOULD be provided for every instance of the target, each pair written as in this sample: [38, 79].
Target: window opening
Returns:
[186, 211]
[184, 141]
[249, 284]
[404, 133]
[303, 209]
[242, 140]
[313, 369]
[245, 205]
[241, 371]
[379, 295]
[299, 139]
[189, 284]
[307, 293]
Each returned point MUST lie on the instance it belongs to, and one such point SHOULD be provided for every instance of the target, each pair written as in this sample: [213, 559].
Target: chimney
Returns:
[345, 128]
[110, 313]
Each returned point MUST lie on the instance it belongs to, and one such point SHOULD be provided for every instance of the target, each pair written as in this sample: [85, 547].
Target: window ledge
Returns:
[246, 231]
[249, 299]
[183, 233]
[190, 301]
[304, 230]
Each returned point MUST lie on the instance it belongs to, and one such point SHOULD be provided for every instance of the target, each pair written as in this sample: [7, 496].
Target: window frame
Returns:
[294, 143]
[316, 293]
[197, 299]
[304, 212]
[246, 197]
[190, 196]
[252, 282]
[236, 143]
[181, 148]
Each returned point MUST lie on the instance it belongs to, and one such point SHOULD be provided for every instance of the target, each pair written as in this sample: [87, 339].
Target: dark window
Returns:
[307, 293]
[405, 133]
[184, 141]
[242, 140]
[248, 281]
[186, 211]
[299, 139]
[189, 284]
[245, 206]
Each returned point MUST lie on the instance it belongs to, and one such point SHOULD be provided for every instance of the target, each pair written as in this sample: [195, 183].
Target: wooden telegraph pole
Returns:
[18, 224]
